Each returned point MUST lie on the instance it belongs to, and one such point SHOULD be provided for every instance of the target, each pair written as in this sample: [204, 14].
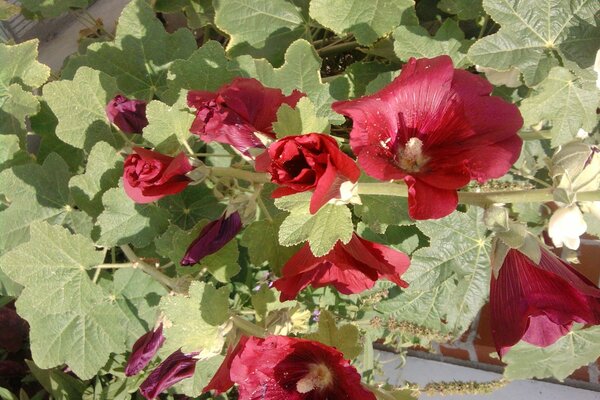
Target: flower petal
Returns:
[427, 202]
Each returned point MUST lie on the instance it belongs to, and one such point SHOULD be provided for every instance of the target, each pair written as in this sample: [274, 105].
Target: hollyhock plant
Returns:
[310, 162]
[538, 303]
[128, 115]
[350, 268]
[14, 330]
[176, 367]
[281, 367]
[437, 128]
[144, 349]
[213, 237]
[149, 175]
[565, 227]
[237, 111]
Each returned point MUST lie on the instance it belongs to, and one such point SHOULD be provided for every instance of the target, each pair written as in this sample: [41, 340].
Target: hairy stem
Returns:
[248, 327]
[149, 269]
[249, 176]
[337, 48]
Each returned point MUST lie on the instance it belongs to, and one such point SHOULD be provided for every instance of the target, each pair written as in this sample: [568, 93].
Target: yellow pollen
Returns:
[411, 157]
[319, 377]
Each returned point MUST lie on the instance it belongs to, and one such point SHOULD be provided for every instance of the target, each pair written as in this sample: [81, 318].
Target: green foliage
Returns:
[578, 347]
[260, 28]
[191, 206]
[535, 35]
[59, 384]
[190, 330]
[344, 338]
[223, 264]
[563, 100]
[415, 41]
[83, 316]
[367, 21]
[449, 281]
[300, 71]
[463, 9]
[52, 8]
[302, 226]
[381, 211]
[8, 10]
[140, 55]
[299, 120]
[168, 126]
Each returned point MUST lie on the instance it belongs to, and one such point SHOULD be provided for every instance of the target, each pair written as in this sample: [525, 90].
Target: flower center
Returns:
[319, 377]
[411, 157]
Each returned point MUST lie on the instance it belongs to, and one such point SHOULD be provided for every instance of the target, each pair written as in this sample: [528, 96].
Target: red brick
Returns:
[454, 352]
[581, 374]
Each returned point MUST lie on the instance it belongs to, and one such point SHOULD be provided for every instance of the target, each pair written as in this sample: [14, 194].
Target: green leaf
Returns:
[59, 384]
[36, 193]
[173, 243]
[562, 100]
[366, 20]
[533, 32]
[123, 221]
[360, 74]
[262, 240]
[189, 330]
[415, 41]
[205, 370]
[8, 10]
[381, 211]
[260, 28]
[138, 296]
[72, 320]
[168, 126]
[80, 106]
[463, 9]
[215, 304]
[141, 53]
[19, 72]
[191, 206]
[300, 71]
[207, 69]
[577, 348]
[223, 264]
[344, 338]
[52, 8]
[322, 230]
[449, 281]
[11, 153]
[103, 169]
[299, 120]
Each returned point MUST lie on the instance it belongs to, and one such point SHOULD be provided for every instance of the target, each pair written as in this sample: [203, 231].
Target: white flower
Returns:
[565, 227]
[509, 78]
[597, 68]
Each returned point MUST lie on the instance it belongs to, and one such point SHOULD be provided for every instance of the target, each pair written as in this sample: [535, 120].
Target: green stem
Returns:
[213, 155]
[248, 327]
[249, 176]
[149, 269]
[483, 26]
[337, 48]
[115, 266]
[263, 208]
[477, 198]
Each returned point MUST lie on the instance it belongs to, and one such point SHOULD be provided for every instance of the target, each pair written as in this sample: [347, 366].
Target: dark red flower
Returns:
[128, 115]
[538, 303]
[213, 237]
[149, 176]
[13, 330]
[176, 367]
[11, 368]
[436, 128]
[221, 381]
[350, 268]
[144, 349]
[310, 162]
[281, 367]
[237, 111]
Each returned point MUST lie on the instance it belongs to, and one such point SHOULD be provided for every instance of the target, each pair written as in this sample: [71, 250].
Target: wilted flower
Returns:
[350, 268]
[310, 162]
[128, 115]
[213, 237]
[565, 227]
[281, 367]
[538, 303]
[437, 128]
[144, 349]
[236, 112]
[149, 176]
[176, 367]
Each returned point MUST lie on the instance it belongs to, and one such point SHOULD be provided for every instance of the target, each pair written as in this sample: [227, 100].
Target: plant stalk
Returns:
[248, 327]
[149, 269]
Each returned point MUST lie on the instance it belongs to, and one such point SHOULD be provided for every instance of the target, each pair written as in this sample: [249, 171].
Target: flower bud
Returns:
[144, 349]
[565, 227]
[175, 368]
[128, 115]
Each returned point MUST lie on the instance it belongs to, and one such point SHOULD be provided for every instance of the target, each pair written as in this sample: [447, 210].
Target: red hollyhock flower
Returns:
[350, 268]
[212, 238]
[149, 176]
[176, 367]
[281, 367]
[14, 329]
[538, 303]
[128, 115]
[234, 113]
[221, 381]
[436, 128]
[144, 349]
[310, 162]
